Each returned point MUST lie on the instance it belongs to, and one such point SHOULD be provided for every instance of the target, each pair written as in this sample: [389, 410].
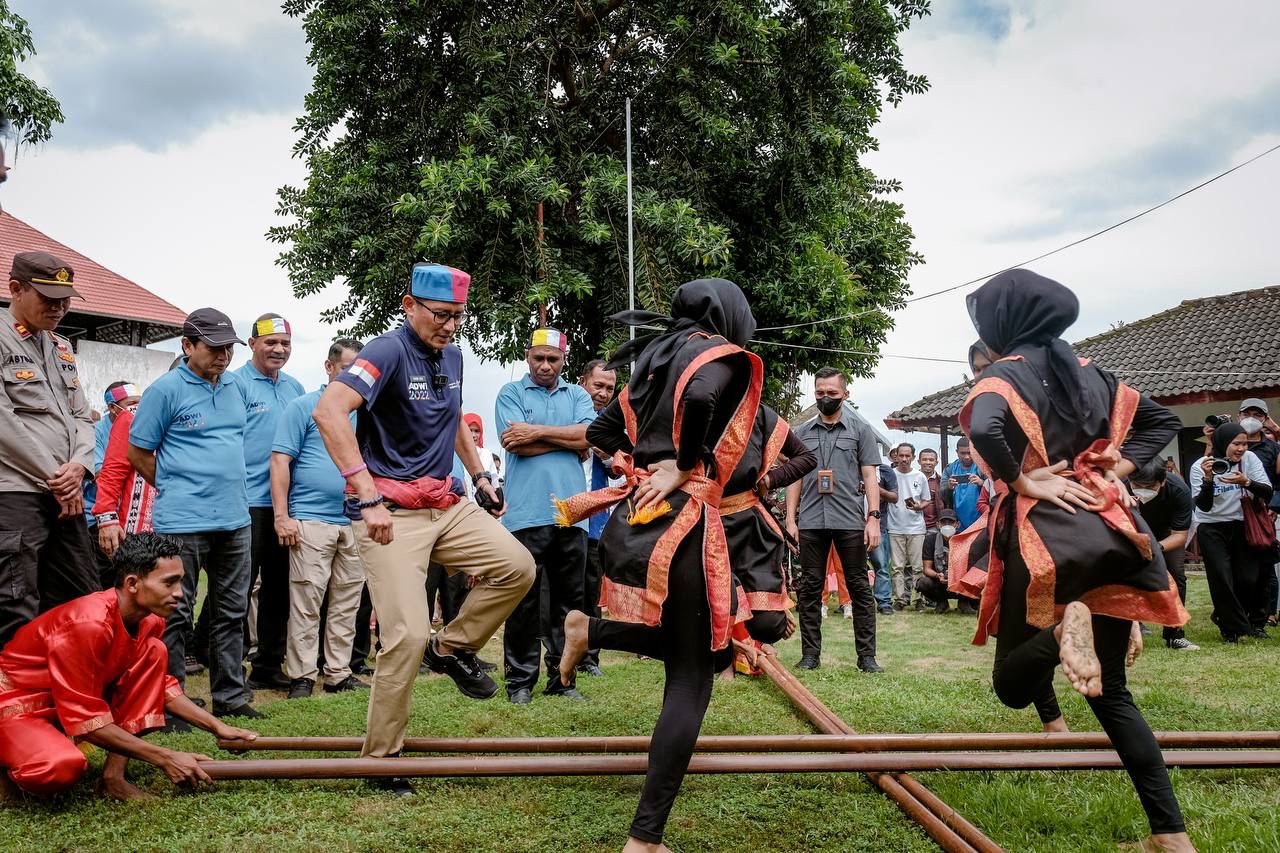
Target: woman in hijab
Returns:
[678, 430]
[1230, 563]
[1071, 568]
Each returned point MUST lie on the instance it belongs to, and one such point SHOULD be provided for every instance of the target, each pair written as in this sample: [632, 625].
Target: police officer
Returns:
[46, 449]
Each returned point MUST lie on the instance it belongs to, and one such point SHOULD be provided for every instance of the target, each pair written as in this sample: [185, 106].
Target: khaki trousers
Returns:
[908, 564]
[326, 559]
[464, 538]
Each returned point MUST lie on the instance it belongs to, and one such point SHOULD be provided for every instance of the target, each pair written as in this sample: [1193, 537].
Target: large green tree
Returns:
[31, 109]
[436, 128]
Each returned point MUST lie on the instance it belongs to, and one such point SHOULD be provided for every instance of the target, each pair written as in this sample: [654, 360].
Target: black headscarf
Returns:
[979, 348]
[712, 305]
[1224, 435]
[1020, 310]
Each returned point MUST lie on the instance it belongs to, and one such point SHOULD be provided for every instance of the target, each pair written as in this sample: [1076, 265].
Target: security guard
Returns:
[46, 449]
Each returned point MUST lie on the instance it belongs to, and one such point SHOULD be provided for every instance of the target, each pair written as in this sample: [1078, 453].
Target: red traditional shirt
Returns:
[124, 497]
[61, 665]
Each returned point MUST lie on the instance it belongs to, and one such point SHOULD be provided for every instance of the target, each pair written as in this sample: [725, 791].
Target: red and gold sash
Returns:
[634, 604]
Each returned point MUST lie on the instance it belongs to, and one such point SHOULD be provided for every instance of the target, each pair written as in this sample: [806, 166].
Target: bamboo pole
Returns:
[884, 763]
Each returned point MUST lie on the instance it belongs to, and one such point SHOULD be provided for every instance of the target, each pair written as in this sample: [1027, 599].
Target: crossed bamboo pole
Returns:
[883, 758]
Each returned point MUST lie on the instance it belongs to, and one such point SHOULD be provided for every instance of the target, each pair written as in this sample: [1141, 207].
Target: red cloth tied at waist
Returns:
[422, 493]
[704, 494]
[1089, 470]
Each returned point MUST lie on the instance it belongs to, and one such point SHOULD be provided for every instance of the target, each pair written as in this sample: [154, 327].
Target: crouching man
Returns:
[94, 669]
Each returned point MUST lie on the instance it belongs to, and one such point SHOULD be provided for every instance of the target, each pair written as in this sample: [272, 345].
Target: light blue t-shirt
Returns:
[532, 481]
[101, 433]
[315, 485]
[197, 431]
[265, 401]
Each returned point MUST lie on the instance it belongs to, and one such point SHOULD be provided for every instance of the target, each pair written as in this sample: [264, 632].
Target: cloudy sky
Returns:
[1045, 121]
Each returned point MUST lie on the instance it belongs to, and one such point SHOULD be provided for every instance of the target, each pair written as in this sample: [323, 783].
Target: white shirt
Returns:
[1226, 496]
[903, 519]
[488, 462]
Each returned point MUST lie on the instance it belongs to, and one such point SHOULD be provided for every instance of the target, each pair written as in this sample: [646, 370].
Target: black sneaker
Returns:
[246, 710]
[887, 611]
[300, 688]
[523, 696]
[346, 684]
[920, 606]
[464, 671]
[193, 666]
[175, 725]
[570, 693]
[395, 785]
[479, 662]
[362, 669]
[1259, 634]
[808, 662]
[942, 607]
[269, 680]
[966, 608]
[198, 702]
[868, 664]
[590, 669]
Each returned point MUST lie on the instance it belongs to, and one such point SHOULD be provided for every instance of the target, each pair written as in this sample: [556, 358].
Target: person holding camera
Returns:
[1255, 417]
[932, 583]
[907, 527]
[406, 391]
[1219, 483]
[542, 420]
[963, 485]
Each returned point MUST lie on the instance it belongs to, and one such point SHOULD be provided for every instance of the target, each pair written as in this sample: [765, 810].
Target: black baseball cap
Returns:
[211, 326]
[947, 515]
[46, 273]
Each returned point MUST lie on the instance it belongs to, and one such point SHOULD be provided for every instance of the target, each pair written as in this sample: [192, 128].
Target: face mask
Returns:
[829, 405]
[1144, 495]
[947, 531]
[1251, 425]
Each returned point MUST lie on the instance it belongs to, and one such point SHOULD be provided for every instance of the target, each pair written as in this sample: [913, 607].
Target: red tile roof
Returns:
[107, 294]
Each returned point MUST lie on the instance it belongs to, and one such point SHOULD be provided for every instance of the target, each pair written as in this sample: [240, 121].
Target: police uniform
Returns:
[45, 422]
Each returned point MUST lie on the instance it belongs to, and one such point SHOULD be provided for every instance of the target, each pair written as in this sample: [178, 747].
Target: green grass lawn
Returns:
[936, 682]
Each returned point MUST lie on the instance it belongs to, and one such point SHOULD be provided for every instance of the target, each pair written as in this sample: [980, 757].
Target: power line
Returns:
[1063, 248]
[860, 352]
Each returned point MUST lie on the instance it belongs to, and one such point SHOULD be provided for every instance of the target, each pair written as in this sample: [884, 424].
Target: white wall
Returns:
[101, 364]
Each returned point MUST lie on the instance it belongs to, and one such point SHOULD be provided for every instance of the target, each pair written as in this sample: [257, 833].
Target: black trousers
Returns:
[1174, 560]
[683, 643]
[361, 648]
[1231, 567]
[271, 563]
[1025, 661]
[560, 554]
[936, 591]
[102, 563]
[44, 561]
[815, 545]
[452, 589]
[591, 597]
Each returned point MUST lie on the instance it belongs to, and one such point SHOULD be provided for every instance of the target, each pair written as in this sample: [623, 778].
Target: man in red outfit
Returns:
[94, 669]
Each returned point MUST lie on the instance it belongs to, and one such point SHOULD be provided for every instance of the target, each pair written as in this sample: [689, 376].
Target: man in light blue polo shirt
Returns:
[324, 558]
[187, 440]
[267, 390]
[543, 421]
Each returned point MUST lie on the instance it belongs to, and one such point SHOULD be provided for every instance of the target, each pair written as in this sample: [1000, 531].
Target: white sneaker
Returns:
[1182, 644]
[847, 610]
[824, 611]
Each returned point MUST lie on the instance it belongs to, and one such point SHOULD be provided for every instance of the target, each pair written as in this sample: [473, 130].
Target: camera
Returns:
[487, 503]
[1216, 421]
[1221, 466]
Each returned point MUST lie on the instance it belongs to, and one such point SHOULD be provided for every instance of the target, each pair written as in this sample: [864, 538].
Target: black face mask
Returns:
[829, 405]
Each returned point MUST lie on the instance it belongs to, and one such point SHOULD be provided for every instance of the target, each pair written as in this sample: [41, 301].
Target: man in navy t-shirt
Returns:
[406, 391]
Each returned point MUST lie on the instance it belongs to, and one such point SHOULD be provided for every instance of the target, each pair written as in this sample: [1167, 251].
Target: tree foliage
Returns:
[30, 108]
[435, 128]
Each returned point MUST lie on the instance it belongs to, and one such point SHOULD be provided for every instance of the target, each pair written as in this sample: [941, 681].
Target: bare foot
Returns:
[119, 788]
[1058, 725]
[1075, 650]
[1163, 843]
[635, 845]
[727, 675]
[575, 645]
[1135, 645]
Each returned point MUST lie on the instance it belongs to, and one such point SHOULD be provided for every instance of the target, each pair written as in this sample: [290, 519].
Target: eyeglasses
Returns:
[442, 317]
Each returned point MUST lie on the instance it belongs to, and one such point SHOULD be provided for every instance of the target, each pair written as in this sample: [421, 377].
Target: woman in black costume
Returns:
[678, 430]
[1071, 567]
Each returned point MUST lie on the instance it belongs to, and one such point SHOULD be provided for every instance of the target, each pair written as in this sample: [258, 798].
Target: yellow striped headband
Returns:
[271, 326]
[549, 338]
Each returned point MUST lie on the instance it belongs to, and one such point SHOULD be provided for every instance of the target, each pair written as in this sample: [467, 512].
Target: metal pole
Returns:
[939, 742]
[631, 247]
[883, 763]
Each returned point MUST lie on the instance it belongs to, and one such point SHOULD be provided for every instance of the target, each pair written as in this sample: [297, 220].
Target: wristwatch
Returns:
[875, 513]
[479, 475]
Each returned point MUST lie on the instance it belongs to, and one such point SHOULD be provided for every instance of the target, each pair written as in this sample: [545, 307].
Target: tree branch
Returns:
[590, 20]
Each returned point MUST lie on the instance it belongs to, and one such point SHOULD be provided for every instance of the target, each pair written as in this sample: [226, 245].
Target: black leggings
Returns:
[1231, 567]
[1025, 661]
[683, 643]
